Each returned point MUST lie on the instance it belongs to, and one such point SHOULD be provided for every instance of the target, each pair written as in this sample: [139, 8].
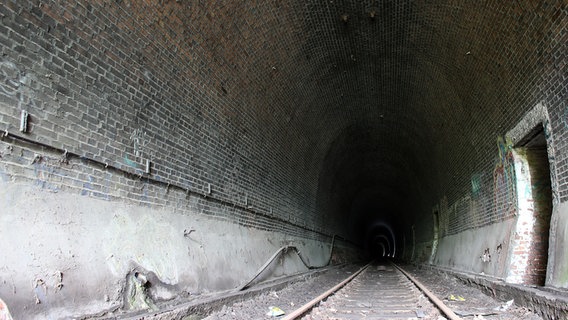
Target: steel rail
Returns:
[305, 308]
[439, 303]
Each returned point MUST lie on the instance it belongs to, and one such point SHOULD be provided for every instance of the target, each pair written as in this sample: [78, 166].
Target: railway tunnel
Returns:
[188, 141]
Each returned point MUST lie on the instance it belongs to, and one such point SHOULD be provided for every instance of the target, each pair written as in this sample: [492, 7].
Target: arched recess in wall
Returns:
[535, 178]
[436, 237]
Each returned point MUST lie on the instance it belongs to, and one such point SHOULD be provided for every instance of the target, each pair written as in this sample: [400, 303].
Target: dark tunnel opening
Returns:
[380, 241]
[376, 189]
[373, 222]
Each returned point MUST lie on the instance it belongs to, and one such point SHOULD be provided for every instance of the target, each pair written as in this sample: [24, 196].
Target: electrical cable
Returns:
[285, 249]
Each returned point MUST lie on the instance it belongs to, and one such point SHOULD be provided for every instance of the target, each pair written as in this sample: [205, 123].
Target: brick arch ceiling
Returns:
[334, 103]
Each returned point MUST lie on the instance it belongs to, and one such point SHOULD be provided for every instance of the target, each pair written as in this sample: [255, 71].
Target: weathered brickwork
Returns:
[119, 84]
[506, 68]
[60, 172]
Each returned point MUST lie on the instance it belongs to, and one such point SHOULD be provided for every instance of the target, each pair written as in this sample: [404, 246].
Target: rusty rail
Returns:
[308, 306]
[305, 308]
[439, 303]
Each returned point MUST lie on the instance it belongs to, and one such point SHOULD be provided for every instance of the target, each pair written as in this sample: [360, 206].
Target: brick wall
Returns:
[117, 84]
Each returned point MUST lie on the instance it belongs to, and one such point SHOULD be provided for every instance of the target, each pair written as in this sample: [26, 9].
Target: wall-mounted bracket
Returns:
[148, 167]
[24, 121]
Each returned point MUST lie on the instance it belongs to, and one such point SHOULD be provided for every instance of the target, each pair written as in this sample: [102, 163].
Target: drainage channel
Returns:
[380, 290]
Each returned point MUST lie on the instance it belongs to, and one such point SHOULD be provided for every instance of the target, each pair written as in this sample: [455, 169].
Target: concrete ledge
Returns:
[203, 305]
[548, 302]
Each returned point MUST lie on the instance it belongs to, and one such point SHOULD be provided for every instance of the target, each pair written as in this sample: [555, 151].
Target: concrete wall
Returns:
[66, 255]
[557, 273]
[491, 250]
[485, 249]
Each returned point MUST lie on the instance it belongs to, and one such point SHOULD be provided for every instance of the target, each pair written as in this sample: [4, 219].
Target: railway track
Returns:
[380, 290]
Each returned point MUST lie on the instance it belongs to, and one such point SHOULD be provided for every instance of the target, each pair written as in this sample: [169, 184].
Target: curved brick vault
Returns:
[300, 118]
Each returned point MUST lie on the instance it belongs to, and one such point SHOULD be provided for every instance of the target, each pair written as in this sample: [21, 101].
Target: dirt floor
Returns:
[467, 302]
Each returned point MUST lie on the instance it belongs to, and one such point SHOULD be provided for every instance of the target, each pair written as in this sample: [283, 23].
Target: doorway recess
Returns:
[534, 191]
